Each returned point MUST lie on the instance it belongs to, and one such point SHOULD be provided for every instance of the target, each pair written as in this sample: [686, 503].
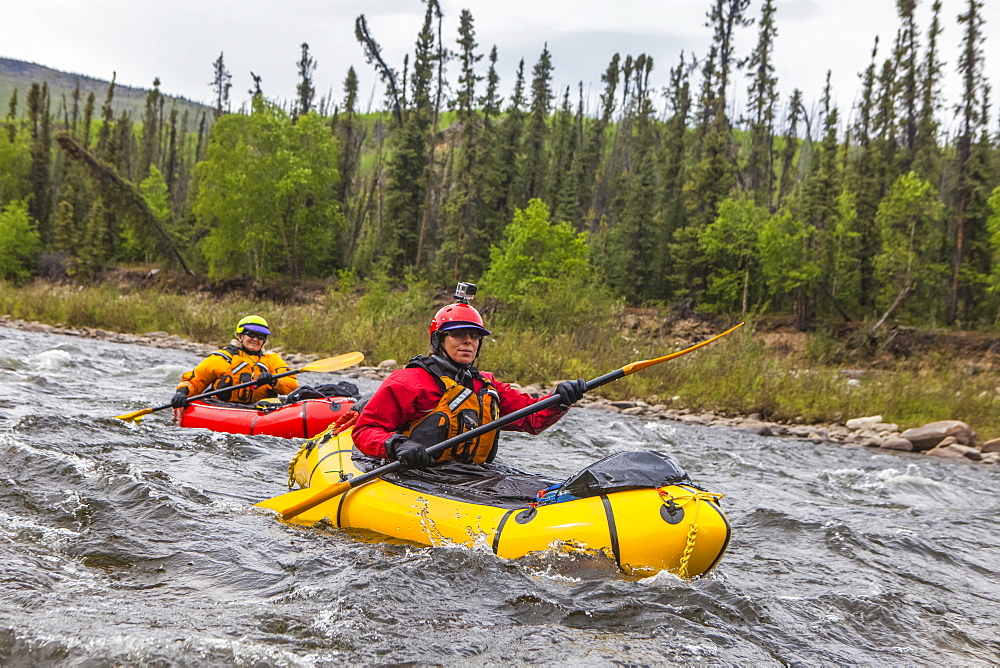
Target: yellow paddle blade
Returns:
[135, 416]
[292, 503]
[638, 366]
[334, 363]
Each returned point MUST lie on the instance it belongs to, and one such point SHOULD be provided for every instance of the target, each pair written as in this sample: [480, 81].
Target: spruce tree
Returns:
[724, 17]
[628, 254]
[105, 148]
[150, 131]
[40, 172]
[591, 155]
[12, 117]
[493, 181]
[503, 190]
[351, 136]
[464, 250]
[864, 179]
[907, 69]
[763, 95]
[305, 89]
[407, 170]
[169, 169]
[927, 160]
[88, 117]
[673, 174]
[537, 130]
[970, 67]
[564, 146]
[74, 117]
[221, 83]
[710, 180]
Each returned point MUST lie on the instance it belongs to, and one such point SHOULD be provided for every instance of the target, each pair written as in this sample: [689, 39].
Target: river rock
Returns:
[897, 443]
[931, 434]
[885, 427]
[756, 428]
[838, 433]
[990, 446]
[950, 448]
[819, 435]
[863, 422]
[801, 430]
[387, 364]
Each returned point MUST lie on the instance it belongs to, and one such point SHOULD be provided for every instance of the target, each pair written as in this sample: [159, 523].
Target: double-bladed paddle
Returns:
[325, 365]
[291, 504]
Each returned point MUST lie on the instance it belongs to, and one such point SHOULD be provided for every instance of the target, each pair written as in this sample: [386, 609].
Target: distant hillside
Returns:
[19, 75]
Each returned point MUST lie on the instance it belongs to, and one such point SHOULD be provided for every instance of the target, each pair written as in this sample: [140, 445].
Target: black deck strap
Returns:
[340, 505]
[612, 529]
[503, 522]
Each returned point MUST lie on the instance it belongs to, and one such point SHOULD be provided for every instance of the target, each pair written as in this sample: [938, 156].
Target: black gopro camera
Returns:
[465, 292]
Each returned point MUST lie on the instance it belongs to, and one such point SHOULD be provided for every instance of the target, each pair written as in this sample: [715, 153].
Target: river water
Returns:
[128, 544]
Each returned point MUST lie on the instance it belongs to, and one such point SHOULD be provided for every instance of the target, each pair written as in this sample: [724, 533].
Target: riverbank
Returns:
[952, 439]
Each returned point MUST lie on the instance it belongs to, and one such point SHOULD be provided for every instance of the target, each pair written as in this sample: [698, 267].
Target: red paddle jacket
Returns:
[411, 393]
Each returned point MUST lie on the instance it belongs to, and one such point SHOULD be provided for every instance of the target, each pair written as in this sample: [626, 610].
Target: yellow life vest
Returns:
[459, 410]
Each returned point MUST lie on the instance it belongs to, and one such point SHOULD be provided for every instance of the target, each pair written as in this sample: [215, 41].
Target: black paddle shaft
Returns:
[224, 389]
[435, 450]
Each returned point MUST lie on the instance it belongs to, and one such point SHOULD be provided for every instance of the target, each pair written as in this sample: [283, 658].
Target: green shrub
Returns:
[19, 242]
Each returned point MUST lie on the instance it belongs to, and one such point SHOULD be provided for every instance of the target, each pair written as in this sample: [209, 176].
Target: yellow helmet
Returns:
[252, 323]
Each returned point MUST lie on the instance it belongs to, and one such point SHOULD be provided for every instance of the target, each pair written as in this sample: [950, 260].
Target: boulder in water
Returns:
[931, 434]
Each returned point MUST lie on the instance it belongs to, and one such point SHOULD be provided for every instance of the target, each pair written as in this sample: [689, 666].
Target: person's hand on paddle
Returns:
[180, 398]
[410, 454]
[265, 378]
[570, 391]
[179, 402]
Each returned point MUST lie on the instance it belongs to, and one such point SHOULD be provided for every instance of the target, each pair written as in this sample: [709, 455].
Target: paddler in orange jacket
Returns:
[233, 365]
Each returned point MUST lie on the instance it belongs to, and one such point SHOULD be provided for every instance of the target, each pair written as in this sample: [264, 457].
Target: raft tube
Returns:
[302, 419]
[678, 528]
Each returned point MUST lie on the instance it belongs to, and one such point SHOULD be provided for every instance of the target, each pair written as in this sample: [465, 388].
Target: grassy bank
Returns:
[738, 375]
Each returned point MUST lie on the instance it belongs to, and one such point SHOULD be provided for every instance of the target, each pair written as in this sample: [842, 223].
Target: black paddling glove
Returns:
[570, 391]
[410, 454]
[180, 399]
[265, 378]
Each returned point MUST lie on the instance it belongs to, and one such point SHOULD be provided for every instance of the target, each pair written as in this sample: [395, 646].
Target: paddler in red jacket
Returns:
[440, 395]
[233, 365]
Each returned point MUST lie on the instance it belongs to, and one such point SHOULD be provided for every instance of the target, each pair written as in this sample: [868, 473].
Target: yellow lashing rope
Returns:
[681, 501]
[291, 465]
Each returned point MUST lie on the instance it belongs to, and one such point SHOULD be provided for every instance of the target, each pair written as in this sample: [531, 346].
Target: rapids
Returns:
[128, 544]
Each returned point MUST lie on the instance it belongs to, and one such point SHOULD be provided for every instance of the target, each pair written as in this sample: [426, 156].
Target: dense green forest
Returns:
[888, 210]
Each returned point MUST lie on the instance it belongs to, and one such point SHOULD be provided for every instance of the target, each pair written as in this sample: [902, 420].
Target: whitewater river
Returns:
[126, 544]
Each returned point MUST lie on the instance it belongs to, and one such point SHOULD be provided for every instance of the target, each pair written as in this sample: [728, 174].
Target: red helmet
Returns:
[457, 316]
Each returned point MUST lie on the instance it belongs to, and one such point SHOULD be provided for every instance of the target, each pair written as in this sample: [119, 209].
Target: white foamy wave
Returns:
[170, 372]
[909, 487]
[50, 360]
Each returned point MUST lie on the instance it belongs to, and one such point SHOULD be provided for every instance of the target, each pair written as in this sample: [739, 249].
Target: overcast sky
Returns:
[178, 41]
